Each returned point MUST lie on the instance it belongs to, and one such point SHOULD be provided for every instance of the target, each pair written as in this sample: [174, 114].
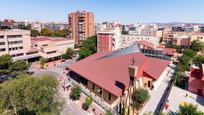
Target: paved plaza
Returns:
[178, 96]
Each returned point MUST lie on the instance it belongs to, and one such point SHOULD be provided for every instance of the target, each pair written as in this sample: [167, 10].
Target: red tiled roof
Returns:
[106, 71]
[145, 43]
[169, 51]
[46, 39]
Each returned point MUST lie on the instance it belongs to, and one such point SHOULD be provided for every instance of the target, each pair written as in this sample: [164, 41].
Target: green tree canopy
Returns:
[140, 96]
[196, 45]
[19, 67]
[70, 52]
[189, 53]
[198, 59]
[91, 44]
[189, 109]
[61, 33]
[8, 66]
[24, 27]
[88, 47]
[35, 33]
[29, 95]
[46, 32]
[84, 52]
[5, 61]
[76, 92]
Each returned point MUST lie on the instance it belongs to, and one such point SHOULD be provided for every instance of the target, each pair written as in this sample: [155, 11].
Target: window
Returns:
[15, 55]
[51, 52]
[93, 86]
[2, 43]
[45, 45]
[2, 49]
[100, 91]
[15, 48]
[14, 36]
[109, 96]
[15, 42]
[1, 37]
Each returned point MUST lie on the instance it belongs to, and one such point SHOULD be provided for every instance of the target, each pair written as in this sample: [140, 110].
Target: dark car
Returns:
[4, 77]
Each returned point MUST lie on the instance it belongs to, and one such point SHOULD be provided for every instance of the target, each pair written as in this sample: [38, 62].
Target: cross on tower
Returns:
[133, 61]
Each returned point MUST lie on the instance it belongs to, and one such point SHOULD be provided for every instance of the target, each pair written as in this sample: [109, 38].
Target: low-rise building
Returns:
[51, 47]
[106, 74]
[17, 43]
[128, 40]
[197, 36]
[196, 80]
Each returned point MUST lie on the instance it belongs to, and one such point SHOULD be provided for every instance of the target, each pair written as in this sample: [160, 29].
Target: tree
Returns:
[88, 47]
[91, 44]
[43, 61]
[189, 53]
[35, 33]
[196, 45]
[24, 27]
[19, 67]
[75, 92]
[61, 33]
[46, 32]
[189, 109]
[84, 52]
[87, 103]
[29, 95]
[108, 112]
[198, 59]
[179, 79]
[140, 96]
[5, 62]
[183, 63]
[70, 52]
[65, 56]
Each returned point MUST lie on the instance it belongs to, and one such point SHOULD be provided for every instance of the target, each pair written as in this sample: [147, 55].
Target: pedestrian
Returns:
[54, 64]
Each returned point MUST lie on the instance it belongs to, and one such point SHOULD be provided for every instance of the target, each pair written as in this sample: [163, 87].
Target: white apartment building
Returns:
[128, 40]
[21, 46]
[17, 43]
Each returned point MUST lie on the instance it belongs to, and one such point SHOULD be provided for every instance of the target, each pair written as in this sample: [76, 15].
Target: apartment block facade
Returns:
[15, 42]
[81, 25]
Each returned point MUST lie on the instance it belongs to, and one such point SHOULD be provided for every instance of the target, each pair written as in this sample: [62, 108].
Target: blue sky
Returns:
[125, 11]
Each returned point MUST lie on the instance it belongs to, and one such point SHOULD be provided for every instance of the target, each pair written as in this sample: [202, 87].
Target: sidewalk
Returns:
[156, 95]
[66, 93]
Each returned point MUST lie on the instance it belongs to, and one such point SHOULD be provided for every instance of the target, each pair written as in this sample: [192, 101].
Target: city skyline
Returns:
[137, 11]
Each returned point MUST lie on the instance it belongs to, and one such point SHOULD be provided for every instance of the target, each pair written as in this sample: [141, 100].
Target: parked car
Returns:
[4, 77]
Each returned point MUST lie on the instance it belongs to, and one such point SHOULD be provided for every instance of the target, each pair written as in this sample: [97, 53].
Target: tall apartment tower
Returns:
[81, 25]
